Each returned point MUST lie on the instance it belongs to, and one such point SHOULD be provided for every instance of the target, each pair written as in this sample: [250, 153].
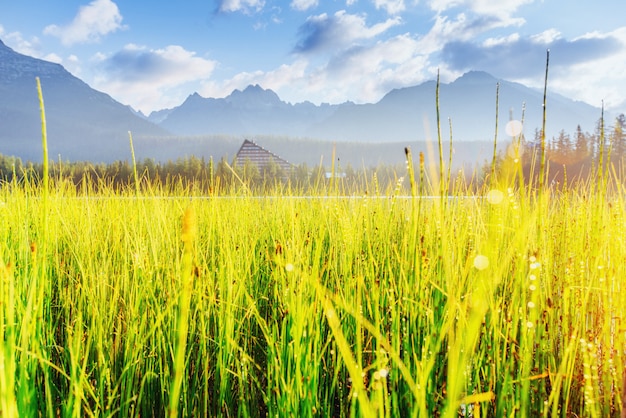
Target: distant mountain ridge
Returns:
[253, 111]
[405, 114]
[82, 123]
[85, 124]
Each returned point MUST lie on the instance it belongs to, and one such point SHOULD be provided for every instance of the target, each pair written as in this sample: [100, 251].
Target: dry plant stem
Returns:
[492, 181]
[601, 146]
[44, 139]
[520, 168]
[440, 143]
[333, 180]
[449, 176]
[132, 154]
[410, 171]
[623, 415]
[542, 166]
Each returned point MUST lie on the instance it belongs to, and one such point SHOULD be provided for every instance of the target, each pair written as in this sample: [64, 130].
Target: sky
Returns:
[153, 54]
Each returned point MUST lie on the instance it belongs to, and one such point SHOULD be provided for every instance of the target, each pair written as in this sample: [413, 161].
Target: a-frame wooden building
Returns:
[259, 156]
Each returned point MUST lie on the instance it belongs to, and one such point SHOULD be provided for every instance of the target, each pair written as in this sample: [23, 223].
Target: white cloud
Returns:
[445, 30]
[150, 79]
[284, 77]
[338, 31]
[32, 48]
[501, 40]
[388, 64]
[460, 28]
[500, 8]
[52, 57]
[443, 5]
[98, 18]
[518, 57]
[304, 4]
[18, 43]
[73, 64]
[245, 6]
[546, 37]
[599, 83]
[395, 62]
[391, 6]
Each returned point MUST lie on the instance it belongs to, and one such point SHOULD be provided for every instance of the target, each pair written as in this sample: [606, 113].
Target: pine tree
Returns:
[581, 144]
[618, 138]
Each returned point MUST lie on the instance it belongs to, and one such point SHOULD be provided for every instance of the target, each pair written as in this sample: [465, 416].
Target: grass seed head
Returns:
[189, 225]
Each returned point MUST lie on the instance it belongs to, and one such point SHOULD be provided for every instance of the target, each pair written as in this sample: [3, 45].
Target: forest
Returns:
[570, 157]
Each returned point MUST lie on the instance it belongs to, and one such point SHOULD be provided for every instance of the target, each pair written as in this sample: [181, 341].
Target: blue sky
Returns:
[153, 54]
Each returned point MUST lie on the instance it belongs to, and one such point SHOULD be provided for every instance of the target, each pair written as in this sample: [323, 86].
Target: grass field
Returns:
[117, 305]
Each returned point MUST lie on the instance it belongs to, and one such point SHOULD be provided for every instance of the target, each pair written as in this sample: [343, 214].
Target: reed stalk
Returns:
[542, 166]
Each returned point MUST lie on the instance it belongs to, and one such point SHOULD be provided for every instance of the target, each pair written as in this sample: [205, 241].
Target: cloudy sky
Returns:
[153, 54]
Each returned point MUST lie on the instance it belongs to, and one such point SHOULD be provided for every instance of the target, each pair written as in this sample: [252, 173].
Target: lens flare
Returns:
[513, 128]
[495, 197]
[481, 262]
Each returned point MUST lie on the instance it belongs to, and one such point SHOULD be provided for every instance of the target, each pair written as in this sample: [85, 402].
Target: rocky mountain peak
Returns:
[15, 66]
[476, 77]
[254, 95]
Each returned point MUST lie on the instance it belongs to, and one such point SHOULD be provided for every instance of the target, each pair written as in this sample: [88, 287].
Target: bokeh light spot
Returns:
[513, 128]
[481, 262]
[495, 197]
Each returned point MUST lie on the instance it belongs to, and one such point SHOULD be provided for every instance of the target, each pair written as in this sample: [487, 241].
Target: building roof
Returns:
[262, 158]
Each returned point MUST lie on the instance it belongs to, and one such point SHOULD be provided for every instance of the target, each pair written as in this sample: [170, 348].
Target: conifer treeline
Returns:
[580, 155]
[575, 156]
[197, 174]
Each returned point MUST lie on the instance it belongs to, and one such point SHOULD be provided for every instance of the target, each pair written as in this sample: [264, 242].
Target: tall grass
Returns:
[132, 303]
[298, 307]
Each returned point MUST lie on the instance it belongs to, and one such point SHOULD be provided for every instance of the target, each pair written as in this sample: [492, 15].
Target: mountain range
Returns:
[82, 123]
[85, 124]
[406, 114]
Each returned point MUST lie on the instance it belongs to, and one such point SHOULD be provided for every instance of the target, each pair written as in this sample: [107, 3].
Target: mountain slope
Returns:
[82, 123]
[409, 114]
